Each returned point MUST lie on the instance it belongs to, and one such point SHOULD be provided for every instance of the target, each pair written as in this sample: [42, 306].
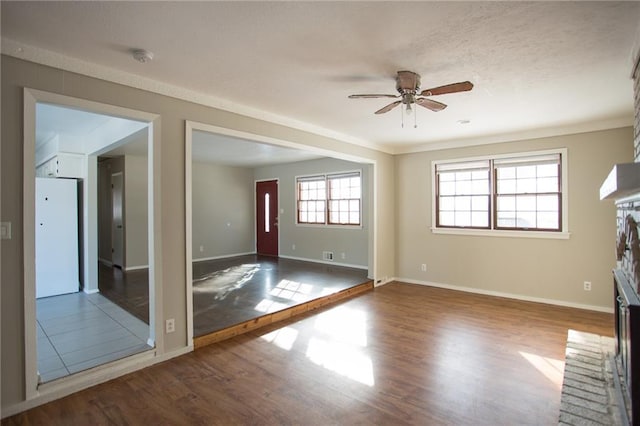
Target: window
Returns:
[521, 193]
[333, 199]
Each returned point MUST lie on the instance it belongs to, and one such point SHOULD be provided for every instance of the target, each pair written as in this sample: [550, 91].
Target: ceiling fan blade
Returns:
[434, 106]
[463, 86]
[372, 96]
[388, 107]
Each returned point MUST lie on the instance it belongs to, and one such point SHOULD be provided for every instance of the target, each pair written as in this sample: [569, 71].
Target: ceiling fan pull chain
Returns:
[402, 116]
[415, 118]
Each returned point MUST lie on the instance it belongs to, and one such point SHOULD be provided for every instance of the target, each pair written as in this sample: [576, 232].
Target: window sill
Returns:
[320, 225]
[508, 234]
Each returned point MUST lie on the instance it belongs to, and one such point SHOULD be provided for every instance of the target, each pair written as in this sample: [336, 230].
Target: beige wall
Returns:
[311, 241]
[136, 203]
[17, 74]
[222, 206]
[534, 268]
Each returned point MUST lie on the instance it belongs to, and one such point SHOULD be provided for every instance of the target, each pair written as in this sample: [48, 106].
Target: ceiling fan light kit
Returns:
[408, 87]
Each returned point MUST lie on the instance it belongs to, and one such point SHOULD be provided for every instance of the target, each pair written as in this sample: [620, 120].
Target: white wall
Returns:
[311, 240]
[223, 211]
[552, 270]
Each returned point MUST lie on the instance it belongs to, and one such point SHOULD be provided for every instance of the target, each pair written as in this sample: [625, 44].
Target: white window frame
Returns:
[326, 224]
[564, 185]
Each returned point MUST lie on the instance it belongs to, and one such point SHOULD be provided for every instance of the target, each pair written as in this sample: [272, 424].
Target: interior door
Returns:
[267, 217]
[117, 226]
[56, 236]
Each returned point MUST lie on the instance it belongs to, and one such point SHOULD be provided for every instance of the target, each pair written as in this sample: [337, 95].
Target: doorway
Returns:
[38, 153]
[267, 217]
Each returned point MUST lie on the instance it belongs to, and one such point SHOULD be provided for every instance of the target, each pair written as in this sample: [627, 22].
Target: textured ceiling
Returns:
[538, 67]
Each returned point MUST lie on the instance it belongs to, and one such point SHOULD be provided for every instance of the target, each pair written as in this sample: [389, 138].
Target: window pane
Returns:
[480, 186]
[447, 203]
[548, 220]
[548, 184]
[526, 220]
[447, 177]
[354, 205]
[480, 219]
[304, 217]
[506, 219]
[354, 218]
[463, 187]
[480, 203]
[507, 203]
[462, 218]
[463, 203]
[333, 217]
[526, 203]
[525, 172]
[507, 186]
[506, 173]
[524, 186]
[463, 175]
[446, 219]
[447, 188]
[548, 203]
[547, 170]
[320, 217]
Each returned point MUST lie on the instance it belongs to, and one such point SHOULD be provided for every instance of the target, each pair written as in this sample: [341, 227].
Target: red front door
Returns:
[267, 217]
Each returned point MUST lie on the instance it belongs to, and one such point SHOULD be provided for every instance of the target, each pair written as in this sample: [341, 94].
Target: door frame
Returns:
[81, 380]
[190, 126]
[255, 211]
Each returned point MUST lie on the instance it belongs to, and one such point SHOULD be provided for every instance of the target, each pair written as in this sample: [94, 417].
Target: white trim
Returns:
[45, 57]
[224, 256]
[525, 135]
[136, 268]
[502, 233]
[31, 98]
[506, 295]
[93, 291]
[326, 262]
[188, 223]
[564, 181]
[68, 385]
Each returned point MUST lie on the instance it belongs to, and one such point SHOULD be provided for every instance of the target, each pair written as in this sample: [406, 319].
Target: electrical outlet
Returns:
[201, 249]
[423, 267]
[6, 230]
[293, 246]
[587, 286]
[343, 255]
[170, 325]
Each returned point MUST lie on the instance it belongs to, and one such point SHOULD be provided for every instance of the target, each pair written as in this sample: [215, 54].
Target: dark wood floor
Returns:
[233, 290]
[129, 290]
[401, 354]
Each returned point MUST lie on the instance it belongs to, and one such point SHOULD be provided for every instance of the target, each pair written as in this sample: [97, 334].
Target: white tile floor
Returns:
[79, 331]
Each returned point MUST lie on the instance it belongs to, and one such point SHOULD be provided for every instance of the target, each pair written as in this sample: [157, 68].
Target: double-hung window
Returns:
[505, 193]
[331, 199]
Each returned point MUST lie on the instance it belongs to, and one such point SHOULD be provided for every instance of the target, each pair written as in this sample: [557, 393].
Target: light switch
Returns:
[6, 230]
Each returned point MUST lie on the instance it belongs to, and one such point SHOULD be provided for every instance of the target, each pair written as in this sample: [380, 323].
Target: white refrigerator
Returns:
[57, 261]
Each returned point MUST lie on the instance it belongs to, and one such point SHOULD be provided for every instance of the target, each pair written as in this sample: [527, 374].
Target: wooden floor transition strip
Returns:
[264, 320]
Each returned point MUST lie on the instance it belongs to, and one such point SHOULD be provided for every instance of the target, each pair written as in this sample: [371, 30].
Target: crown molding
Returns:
[41, 56]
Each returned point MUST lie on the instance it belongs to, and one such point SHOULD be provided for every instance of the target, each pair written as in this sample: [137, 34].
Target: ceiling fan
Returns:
[408, 85]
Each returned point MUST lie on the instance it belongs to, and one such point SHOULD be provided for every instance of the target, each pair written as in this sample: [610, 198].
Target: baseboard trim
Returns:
[136, 268]
[224, 256]
[71, 384]
[507, 295]
[326, 262]
[105, 262]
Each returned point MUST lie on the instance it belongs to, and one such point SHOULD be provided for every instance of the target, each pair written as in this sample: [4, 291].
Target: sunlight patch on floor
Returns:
[283, 338]
[220, 283]
[342, 358]
[553, 369]
[268, 306]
